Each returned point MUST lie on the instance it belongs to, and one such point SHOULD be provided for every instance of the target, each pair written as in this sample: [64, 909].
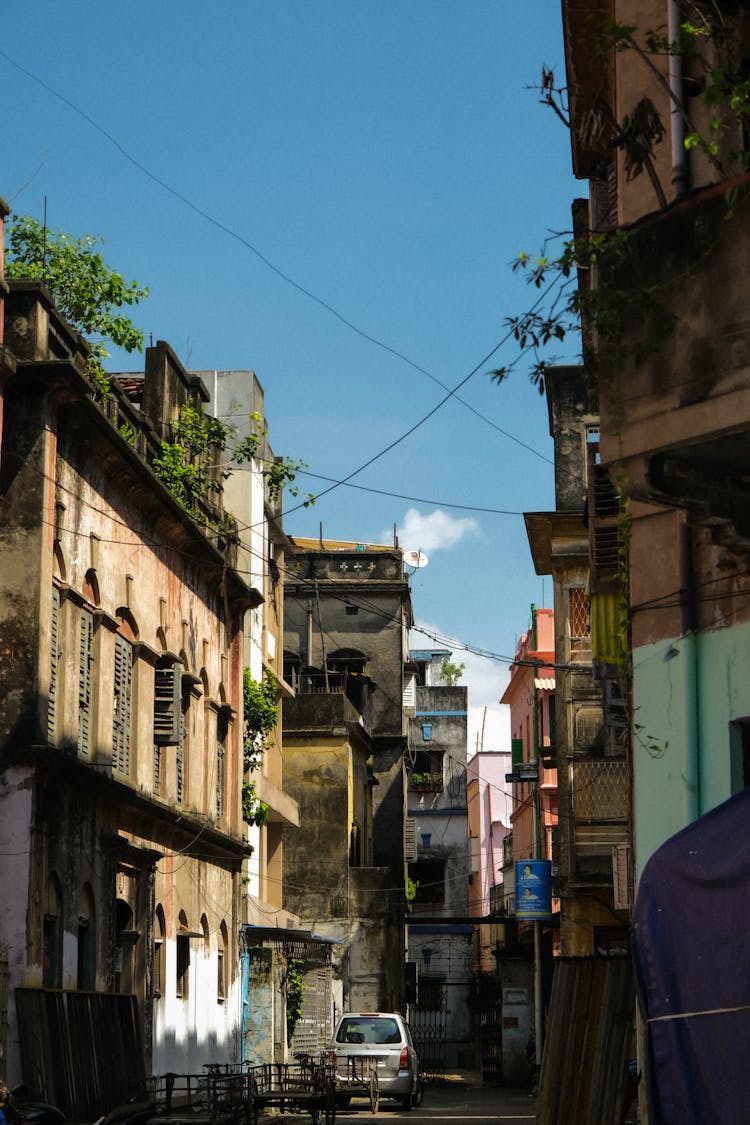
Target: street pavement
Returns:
[460, 1098]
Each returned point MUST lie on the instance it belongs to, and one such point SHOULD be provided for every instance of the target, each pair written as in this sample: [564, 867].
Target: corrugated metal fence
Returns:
[589, 1040]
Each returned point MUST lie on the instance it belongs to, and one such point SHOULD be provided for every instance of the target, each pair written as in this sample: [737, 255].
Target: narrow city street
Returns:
[453, 1101]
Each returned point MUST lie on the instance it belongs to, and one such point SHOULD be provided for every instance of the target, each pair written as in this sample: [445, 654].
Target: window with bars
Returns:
[54, 659]
[85, 661]
[221, 984]
[578, 612]
[222, 735]
[121, 705]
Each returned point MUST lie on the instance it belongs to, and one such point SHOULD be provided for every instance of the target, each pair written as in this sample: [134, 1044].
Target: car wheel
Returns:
[418, 1095]
[406, 1101]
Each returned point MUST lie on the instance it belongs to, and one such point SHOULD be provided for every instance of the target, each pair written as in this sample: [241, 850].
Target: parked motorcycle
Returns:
[20, 1111]
[129, 1113]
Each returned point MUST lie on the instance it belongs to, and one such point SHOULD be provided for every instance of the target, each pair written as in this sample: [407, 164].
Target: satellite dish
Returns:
[416, 559]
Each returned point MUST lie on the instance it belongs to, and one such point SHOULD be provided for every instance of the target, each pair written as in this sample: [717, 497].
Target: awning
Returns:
[544, 683]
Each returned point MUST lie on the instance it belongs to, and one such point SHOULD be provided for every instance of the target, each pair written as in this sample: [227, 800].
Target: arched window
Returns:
[222, 743]
[86, 978]
[52, 934]
[221, 962]
[91, 587]
[124, 938]
[159, 951]
[123, 690]
[206, 936]
[182, 970]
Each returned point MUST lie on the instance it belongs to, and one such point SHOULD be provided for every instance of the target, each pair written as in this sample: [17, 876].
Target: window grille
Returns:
[578, 612]
[410, 839]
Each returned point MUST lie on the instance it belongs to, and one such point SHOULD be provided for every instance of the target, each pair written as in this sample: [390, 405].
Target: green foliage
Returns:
[254, 811]
[192, 464]
[450, 672]
[294, 985]
[127, 433]
[86, 291]
[426, 780]
[189, 464]
[261, 712]
[411, 888]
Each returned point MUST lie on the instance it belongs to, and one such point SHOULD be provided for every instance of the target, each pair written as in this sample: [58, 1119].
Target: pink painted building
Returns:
[531, 698]
[490, 802]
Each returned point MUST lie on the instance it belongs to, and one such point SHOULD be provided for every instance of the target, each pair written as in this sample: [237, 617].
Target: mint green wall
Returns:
[687, 691]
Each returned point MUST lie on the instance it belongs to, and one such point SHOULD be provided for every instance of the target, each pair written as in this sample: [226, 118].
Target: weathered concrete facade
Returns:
[593, 783]
[237, 396]
[330, 879]
[675, 406]
[347, 608]
[120, 715]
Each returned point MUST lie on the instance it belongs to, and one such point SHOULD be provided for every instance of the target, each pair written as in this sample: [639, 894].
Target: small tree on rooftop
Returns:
[86, 290]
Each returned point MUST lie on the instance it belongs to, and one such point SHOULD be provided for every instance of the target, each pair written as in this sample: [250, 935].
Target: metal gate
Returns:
[488, 1008]
[314, 1030]
[428, 1020]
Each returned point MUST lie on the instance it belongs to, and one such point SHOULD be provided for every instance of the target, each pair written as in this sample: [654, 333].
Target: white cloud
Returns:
[435, 532]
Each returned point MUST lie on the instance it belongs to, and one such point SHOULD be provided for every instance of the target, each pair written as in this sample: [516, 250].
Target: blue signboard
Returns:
[533, 890]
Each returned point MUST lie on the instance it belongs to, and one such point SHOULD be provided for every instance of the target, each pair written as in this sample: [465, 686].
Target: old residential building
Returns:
[658, 114]
[347, 609]
[121, 828]
[592, 773]
[440, 934]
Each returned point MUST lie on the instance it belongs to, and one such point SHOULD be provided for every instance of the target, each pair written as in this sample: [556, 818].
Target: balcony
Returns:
[428, 782]
[601, 807]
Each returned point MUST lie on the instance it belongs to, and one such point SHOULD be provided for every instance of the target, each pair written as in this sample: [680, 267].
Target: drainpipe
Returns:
[309, 652]
[680, 171]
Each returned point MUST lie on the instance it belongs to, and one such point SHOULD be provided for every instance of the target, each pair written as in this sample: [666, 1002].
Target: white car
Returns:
[383, 1038]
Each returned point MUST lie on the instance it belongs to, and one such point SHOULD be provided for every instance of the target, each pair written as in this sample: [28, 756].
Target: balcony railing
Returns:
[601, 811]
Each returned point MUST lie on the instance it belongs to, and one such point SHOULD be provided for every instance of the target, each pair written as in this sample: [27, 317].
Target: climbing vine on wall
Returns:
[294, 985]
[192, 462]
[261, 713]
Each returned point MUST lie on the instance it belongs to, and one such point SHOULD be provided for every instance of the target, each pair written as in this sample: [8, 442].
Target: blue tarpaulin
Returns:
[691, 947]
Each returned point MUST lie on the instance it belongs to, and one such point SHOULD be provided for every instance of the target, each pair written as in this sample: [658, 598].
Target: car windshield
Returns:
[364, 1030]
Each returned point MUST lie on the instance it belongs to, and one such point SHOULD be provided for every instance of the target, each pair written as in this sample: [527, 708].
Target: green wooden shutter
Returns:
[84, 683]
[516, 752]
[180, 780]
[167, 706]
[123, 679]
[54, 657]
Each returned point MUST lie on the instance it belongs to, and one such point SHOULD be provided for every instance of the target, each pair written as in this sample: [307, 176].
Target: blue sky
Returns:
[389, 158]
